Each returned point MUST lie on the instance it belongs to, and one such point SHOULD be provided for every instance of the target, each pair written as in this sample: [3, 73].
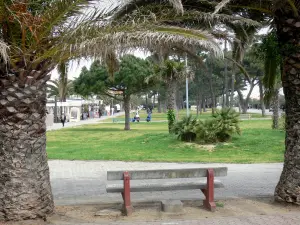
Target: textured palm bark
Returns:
[25, 190]
[171, 95]
[288, 28]
[127, 112]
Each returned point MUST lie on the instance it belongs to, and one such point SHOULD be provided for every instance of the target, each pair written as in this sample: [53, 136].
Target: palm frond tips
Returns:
[221, 5]
[3, 51]
[60, 11]
[144, 38]
[177, 4]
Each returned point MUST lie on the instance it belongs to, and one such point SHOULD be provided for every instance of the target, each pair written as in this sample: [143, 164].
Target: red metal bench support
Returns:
[209, 202]
[126, 194]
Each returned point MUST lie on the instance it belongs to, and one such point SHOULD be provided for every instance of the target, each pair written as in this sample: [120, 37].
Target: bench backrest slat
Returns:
[166, 174]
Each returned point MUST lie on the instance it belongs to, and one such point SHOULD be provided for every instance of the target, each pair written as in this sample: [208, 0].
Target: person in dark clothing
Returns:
[63, 120]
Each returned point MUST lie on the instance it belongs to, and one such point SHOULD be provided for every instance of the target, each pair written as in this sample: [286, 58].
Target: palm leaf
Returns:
[59, 12]
[94, 40]
[221, 5]
[3, 51]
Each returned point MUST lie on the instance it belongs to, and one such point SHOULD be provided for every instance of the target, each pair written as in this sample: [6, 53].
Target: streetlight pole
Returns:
[187, 88]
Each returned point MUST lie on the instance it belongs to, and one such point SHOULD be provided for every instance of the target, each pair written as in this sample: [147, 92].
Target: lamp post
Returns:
[187, 88]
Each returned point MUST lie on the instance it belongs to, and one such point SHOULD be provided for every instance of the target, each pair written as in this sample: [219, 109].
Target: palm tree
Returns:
[61, 87]
[29, 43]
[285, 16]
[171, 72]
[55, 88]
[268, 51]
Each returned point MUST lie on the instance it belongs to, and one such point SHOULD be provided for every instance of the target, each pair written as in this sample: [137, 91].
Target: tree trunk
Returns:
[244, 102]
[226, 97]
[288, 30]
[232, 88]
[171, 95]
[204, 104]
[126, 100]
[25, 190]
[261, 98]
[55, 109]
[158, 103]
[212, 93]
[275, 118]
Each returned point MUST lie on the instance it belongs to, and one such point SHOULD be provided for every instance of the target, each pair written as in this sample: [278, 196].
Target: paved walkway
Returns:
[58, 126]
[286, 219]
[76, 182]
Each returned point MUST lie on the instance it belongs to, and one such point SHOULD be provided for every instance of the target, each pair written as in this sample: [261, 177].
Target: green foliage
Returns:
[171, 119]
[185, 129]
[131, 78]
[220, 128]
[206, 131]
[226, 123]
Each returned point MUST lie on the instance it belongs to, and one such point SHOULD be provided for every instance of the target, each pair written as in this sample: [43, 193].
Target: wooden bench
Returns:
[245, 116]
[206, 186]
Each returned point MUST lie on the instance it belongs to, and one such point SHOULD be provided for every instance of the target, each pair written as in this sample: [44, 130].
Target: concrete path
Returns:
[286, 219]
[258, 111]
[81, 182]
[58, 126]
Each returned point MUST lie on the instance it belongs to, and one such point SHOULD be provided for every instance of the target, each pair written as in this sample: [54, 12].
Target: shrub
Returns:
[227, 120]
[185, 129]
[206, 131]
[224, 124]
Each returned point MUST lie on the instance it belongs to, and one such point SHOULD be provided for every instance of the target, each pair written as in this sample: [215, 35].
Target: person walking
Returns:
[63, 119]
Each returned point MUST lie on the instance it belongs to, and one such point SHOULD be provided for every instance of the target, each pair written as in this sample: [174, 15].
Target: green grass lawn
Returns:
[151, 142]
[181, 114]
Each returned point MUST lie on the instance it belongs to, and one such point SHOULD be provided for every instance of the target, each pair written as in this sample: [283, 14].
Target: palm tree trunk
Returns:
[127, 112]
[275, 124]
[261, 98]
[288, 30]
[171, 95]
[25, 190]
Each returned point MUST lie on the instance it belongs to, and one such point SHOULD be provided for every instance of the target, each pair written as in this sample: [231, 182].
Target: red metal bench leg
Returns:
[209, 201]
[126, 194]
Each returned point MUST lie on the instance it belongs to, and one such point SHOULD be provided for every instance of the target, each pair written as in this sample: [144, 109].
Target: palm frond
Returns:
[3, 51]
[59, 12]
[293, 6]
[94, 40]
[177, 4]
[241, 68]
[221, 5]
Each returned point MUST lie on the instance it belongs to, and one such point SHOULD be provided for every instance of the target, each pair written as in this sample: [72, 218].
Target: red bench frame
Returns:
[208, 203]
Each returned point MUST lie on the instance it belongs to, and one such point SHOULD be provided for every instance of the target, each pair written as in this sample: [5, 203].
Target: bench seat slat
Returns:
[167, 186]
[167, 173]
